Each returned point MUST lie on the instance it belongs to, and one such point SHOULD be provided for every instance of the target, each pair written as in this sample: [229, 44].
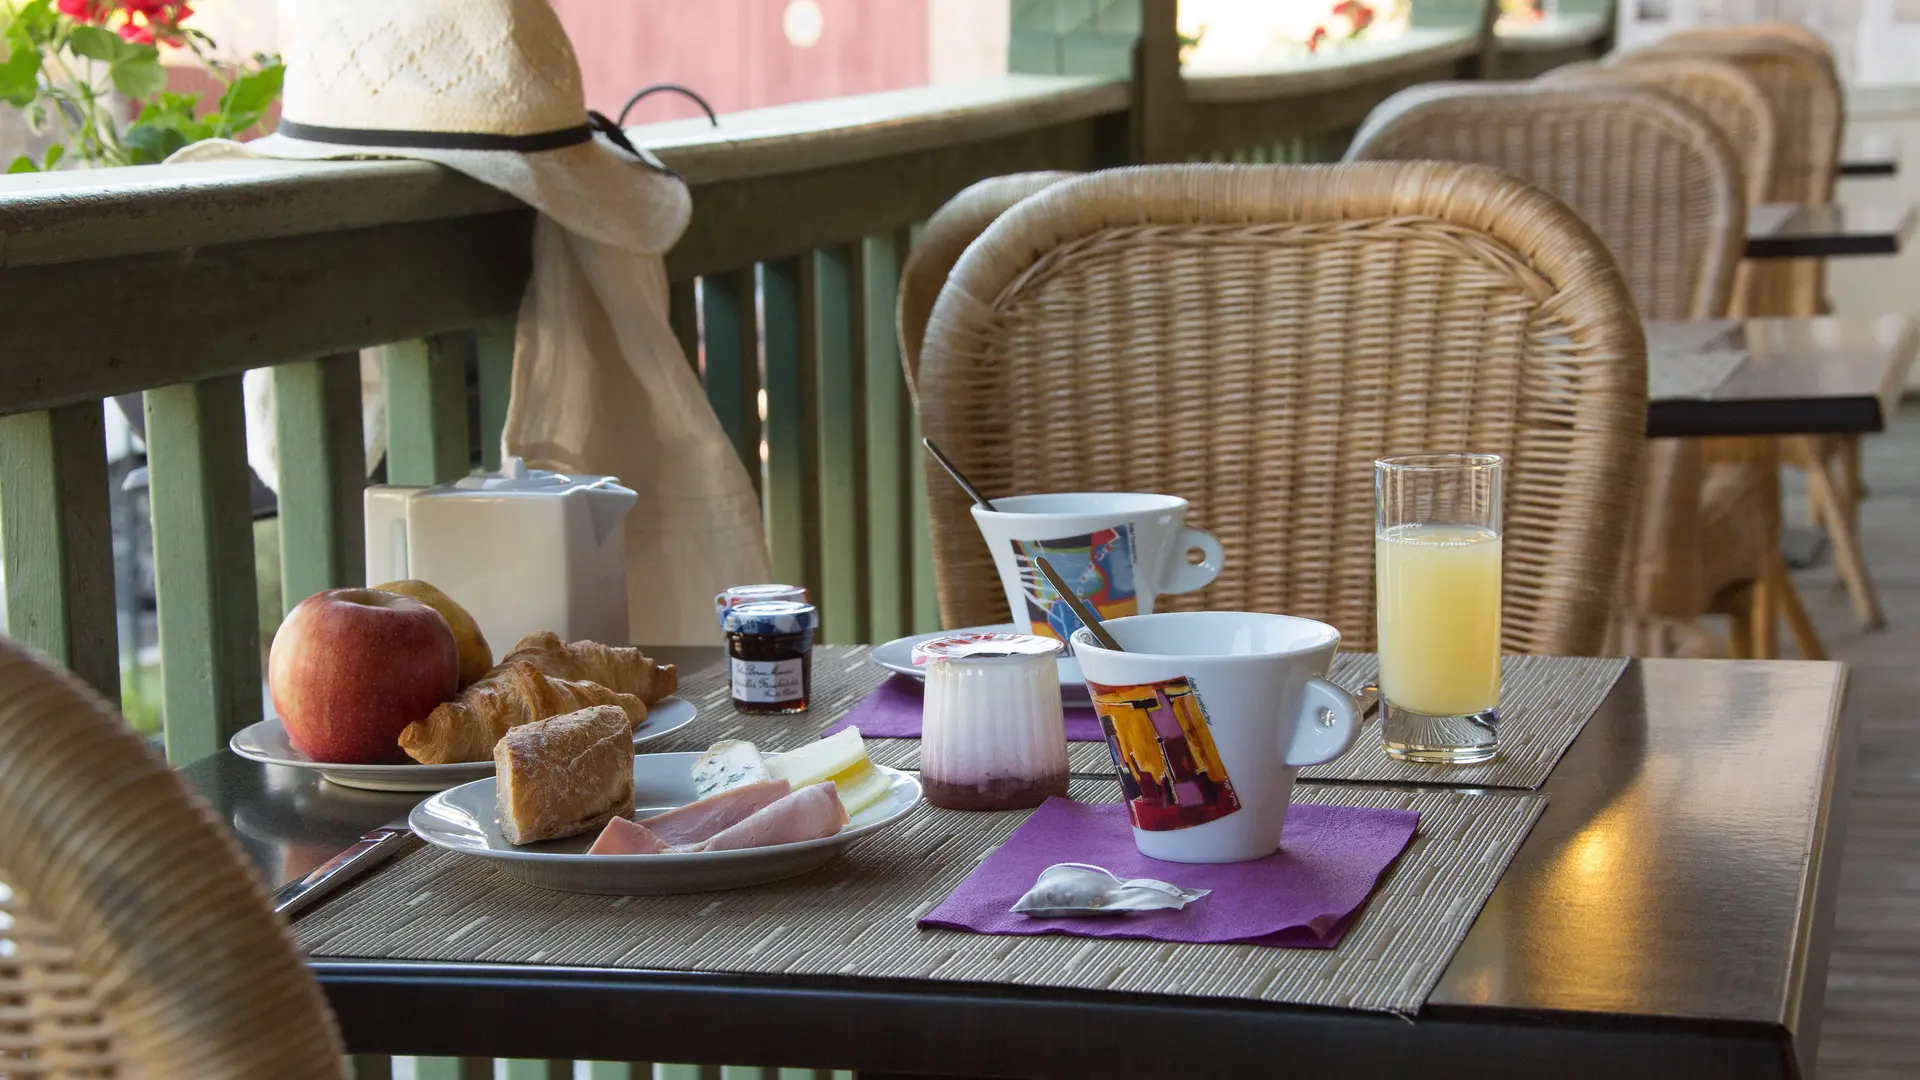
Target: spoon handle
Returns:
[1079, 606]
[958, 477]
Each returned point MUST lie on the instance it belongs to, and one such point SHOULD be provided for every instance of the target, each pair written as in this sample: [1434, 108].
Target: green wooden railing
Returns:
[783, 294]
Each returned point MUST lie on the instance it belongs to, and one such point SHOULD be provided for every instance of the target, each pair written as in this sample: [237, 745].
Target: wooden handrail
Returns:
[1343, 68]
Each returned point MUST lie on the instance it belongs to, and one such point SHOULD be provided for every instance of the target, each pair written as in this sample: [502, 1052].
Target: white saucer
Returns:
[267, 742]
[897, 655]
[467, 820]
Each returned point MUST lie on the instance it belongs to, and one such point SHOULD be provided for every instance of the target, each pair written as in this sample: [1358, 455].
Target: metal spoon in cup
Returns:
[958, 477]
[1080, 607]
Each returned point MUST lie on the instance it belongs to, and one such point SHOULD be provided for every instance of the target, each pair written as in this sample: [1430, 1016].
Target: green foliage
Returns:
[62, 71]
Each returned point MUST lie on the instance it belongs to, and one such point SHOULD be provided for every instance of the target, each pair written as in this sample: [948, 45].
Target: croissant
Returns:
[628, 671]
[466, 728]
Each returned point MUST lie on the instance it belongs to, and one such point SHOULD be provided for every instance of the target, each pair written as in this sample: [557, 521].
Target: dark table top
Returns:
[1872, 154]
[1792, 231]
[1832, 375]
[1668, 915]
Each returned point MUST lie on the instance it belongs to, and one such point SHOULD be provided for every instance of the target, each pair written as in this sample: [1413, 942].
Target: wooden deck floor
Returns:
[1872, 1026]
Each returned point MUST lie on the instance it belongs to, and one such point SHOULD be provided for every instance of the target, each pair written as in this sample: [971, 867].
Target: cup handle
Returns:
[1328, 723]
[1186, 576]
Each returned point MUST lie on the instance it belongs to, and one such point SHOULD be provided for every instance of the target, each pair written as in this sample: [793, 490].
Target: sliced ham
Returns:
[625, 837]
[689, 825]
[808, 814]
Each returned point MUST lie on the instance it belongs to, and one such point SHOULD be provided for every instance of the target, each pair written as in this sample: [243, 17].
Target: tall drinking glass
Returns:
[1437, 560]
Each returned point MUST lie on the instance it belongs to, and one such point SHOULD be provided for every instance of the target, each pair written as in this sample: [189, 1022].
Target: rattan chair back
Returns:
[138, 941]
[1656, 179]
[945, 235]
[1253, 337]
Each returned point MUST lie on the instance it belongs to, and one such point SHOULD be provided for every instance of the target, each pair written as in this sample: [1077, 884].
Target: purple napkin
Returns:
[1304, 896]
[893, 711]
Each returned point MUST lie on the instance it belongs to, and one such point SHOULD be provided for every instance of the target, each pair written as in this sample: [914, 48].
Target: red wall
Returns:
[735, 54]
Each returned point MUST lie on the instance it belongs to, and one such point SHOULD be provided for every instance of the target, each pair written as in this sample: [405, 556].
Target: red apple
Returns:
[351, 667]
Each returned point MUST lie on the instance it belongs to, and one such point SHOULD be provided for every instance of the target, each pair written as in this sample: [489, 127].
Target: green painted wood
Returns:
[683, 314]
[323, 470]
[253, 305]
[619, 1070]
[371, 1067]
[203, 564]
[493, 352]
[435, 1068]
[427, 408]
[889, 458]
[524, 1069]
[828, 308]
[686, 1072]
[732, 335]
[56, 537]
[793, 499]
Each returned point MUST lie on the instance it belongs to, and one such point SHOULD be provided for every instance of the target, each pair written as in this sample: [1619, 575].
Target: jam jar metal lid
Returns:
[770, 617]
[748, 594]
[989, 646]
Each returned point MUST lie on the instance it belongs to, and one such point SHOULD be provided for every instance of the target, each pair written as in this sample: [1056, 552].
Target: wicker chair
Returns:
[139, 942]
[1663, 188]
[1740, 505]
[1254, 337]
[1803, 90]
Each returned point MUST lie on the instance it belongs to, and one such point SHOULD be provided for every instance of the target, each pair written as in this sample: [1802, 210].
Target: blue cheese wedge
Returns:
[727, 765]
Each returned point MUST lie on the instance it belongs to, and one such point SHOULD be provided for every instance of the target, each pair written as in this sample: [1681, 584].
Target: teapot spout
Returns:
[607, 506]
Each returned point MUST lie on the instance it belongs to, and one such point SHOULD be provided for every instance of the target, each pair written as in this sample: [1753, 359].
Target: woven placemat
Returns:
[858, 914]
[1545, 701]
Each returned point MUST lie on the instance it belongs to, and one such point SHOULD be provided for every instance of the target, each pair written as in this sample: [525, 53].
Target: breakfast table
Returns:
[1827, 375]
[1668, 915]
[1870, 154]
[1797, 231]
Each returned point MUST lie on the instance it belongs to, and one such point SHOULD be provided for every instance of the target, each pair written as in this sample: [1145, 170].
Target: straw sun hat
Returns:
[490, 88]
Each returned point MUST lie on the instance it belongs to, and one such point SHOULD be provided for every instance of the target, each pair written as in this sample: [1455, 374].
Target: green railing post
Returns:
[889, 457]
[438, 1068]
[203, 564]
[56, 537]
[427, 408]
[493, 347]
[683, 315]
[524, 1069]
[323, 471]
[793, 500]
[732, 332]
[828, 311]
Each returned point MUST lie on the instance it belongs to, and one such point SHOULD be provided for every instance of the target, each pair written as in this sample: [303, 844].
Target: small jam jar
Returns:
[748, 594]
[993, 736]
[770, 654]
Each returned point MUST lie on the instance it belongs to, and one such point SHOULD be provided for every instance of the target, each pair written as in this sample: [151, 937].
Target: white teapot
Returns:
[521, 549]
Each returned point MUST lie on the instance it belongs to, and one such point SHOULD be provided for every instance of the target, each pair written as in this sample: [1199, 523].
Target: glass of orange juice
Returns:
[1437, 563]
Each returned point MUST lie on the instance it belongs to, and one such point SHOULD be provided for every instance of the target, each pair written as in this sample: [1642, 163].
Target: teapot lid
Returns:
[514, 478]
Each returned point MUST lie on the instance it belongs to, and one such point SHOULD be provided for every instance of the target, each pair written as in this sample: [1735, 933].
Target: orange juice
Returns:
[1439, 617]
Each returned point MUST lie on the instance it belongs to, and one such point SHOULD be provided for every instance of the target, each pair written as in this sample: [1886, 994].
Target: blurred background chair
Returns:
[1796, 73]
[138, 941]
[1663, 187]
[1254, 337]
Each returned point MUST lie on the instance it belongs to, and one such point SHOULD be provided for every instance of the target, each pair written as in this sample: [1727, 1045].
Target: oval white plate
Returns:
[266, 742]
[897, 655]
[467, 820]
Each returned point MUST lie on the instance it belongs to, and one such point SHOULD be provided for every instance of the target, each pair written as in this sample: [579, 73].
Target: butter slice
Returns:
[816, 763]
[862, 786]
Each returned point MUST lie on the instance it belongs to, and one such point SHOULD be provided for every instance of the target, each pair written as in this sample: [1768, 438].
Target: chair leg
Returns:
[1853, 487]
[1846, 548]
[1744, 612]
[1785, 603]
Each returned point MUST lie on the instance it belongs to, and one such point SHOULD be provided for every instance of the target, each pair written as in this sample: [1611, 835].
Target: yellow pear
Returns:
[476, 657]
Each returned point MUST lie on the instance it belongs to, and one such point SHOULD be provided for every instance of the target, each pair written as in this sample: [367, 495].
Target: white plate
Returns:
[267, 742]
[467, 820]
[897, 655]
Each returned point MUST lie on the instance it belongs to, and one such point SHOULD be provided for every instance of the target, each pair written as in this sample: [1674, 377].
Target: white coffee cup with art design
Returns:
[1119, 550]
[1209, 715]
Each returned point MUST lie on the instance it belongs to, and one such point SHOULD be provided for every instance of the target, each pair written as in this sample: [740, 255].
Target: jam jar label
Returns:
[769, 681]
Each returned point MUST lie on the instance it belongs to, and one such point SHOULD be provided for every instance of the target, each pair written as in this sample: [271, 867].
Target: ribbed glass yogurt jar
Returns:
[992, 736]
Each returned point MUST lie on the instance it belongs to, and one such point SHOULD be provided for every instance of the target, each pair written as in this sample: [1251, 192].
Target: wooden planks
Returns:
[203, 564]
[56, 537]
[427, 408]
[889, 457]
[827, 312]
[493, 352]
[322, 466]
[793, 500]
[731, 329]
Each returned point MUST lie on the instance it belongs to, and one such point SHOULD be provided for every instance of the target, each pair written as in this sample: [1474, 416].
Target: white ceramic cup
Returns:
[1209, 714]
[1118, 550]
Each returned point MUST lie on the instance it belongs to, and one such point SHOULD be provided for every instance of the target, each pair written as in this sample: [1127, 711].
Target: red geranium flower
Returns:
[141, 21]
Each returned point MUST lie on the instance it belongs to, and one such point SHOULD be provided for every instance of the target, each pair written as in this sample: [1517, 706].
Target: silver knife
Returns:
[366, 853]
